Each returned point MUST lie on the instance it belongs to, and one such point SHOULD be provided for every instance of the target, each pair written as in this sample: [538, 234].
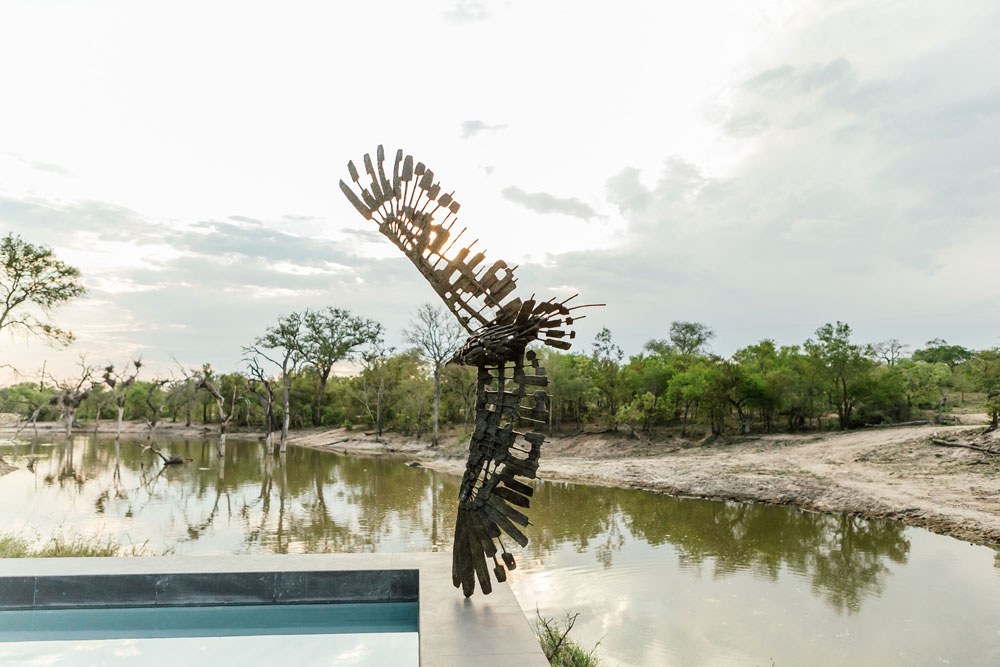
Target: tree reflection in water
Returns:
[313, 501]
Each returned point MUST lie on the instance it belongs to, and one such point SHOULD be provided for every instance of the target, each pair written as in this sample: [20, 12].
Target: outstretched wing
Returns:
[405, 204]
[509, 395]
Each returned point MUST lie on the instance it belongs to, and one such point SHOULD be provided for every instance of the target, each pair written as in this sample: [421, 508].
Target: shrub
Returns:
[558, 648]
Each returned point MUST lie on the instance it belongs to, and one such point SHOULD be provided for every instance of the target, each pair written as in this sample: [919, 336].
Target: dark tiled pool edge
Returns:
[486, 630]
[179, 589]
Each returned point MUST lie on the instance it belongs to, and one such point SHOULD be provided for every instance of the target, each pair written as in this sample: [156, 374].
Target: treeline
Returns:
[827, 382]
[674, 384]
[287, 380]
[402, 379]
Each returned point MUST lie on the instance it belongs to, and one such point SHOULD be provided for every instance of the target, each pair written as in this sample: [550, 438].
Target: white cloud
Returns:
[761, 166]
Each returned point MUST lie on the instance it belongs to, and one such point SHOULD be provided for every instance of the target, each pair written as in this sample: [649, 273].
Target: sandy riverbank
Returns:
[893, 473]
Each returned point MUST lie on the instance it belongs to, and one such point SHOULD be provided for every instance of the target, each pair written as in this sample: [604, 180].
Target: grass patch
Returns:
[66, 546]
[560, 650]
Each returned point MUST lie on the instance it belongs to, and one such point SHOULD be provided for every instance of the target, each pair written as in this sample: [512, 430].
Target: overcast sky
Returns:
[762, 166]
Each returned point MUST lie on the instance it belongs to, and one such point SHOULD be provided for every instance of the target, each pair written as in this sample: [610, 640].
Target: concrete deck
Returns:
[454, 631]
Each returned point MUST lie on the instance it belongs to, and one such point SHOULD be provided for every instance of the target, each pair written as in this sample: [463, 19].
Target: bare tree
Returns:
[437, 335]
[33, 405]
[285, 339]
[119, 383]
[261, 386]
[32, 418]
[72, 393]
[102, 399]
[889, 350]
[155, 409]
[208, 382]
[329, 336]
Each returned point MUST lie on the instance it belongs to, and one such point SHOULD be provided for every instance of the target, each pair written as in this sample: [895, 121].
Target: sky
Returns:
[761, 166]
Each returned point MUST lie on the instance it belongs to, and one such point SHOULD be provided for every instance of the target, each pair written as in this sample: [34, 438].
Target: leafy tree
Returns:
[689, 337]
[746, 391]
[606, 367]
[962, 381]
[923, 382]
[843, 366]
[641, 411]
[985, 371]
[763, 382]
[571, 386]
[939, 351]
[797, 381]
[392, 389]
[647, 378]
[664, 348]
[881, 397]
[437, 336]
[29, 401]
[301, 395]
[409, 413]
[459, 392]
[717, 392]
[329, 336]
[186, 393]
[31, 275]
[686, 390]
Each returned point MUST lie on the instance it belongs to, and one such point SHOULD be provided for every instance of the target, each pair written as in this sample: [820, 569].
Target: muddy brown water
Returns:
[656, 580]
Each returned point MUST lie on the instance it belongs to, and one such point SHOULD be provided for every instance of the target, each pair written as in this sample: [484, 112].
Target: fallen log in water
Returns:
[167, 460]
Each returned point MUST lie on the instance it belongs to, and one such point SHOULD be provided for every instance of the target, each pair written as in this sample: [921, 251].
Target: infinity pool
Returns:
[366, 634]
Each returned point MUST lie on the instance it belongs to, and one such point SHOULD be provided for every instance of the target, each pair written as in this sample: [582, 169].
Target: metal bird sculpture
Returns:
[413, 212]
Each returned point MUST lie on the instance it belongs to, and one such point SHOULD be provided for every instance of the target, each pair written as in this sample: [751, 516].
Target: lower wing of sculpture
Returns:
[501, 459]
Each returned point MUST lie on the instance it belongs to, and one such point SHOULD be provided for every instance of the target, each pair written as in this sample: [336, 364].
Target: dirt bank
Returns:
[888, 473]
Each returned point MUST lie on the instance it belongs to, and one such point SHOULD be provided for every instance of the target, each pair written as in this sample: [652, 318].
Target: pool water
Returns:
[365, 634]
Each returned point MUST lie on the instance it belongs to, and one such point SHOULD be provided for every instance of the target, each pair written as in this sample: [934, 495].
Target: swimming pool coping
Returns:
[487, 630]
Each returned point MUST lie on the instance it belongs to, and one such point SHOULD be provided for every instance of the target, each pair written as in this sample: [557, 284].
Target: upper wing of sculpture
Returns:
[509, 395]
[413, 212]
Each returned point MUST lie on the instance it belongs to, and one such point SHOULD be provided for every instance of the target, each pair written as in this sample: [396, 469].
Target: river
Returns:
[656, 580]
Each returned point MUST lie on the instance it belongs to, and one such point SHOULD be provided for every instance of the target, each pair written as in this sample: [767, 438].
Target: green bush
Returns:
[558, 648]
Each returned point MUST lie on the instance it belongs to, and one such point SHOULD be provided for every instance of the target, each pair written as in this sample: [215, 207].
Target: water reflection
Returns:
[312, 501]
[647, 570]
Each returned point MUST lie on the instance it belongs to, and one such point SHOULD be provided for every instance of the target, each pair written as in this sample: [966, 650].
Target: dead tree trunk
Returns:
[262, 388]
[155, 410]
[120, 384]
[205, 382]
[437, 405]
